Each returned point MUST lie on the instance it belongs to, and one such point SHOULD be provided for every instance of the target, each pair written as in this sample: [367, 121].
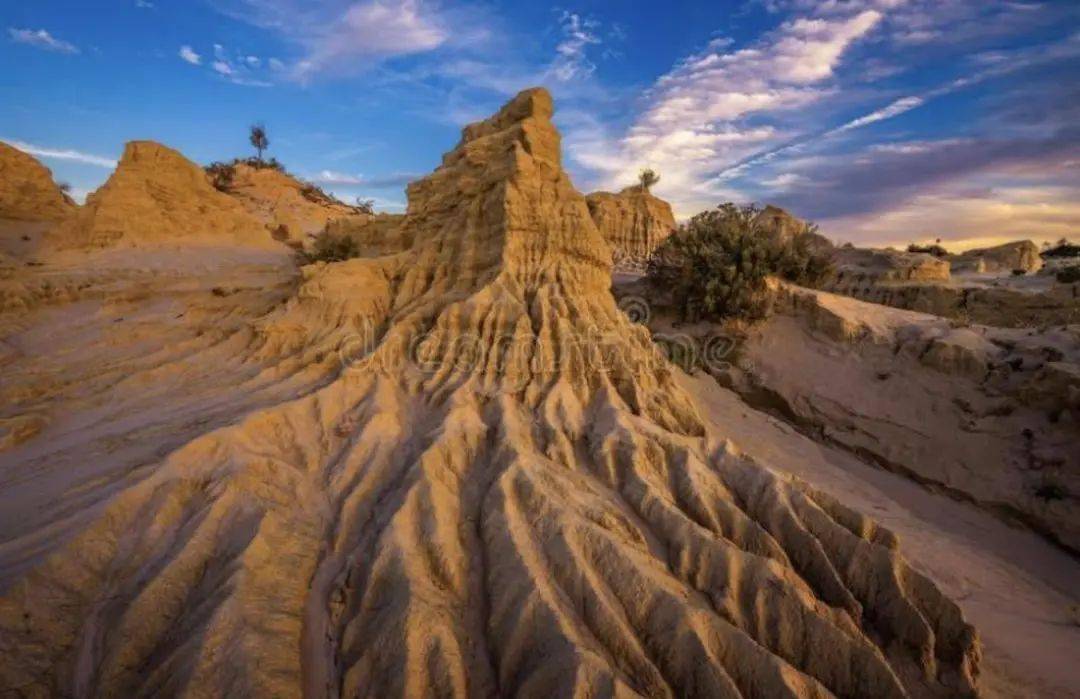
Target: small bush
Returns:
[221, 175]
[1068, 275]
[280, 233]
[1062, 249]
[333, 248]
[1050, 490]
[717, 265]
[365, 206]
[1019, 272]
[935, 250]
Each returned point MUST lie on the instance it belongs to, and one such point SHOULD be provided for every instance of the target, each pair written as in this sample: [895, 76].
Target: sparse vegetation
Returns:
[647, 178]
[259, 139]
[1063, 248]
[935, 249]
[717, 265]
[333, 248]
[64, 187]
[365, 206]
[1050, 490]
[1068, 275]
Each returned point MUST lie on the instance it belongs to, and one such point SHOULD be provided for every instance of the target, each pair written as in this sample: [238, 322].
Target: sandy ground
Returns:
[1018, 590]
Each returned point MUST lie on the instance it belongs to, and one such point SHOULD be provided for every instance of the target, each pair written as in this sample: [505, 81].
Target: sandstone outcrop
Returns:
[27, 189]
[279, 201]
[1018, 255]
[380, 234]
[157, 196]
[501, 492]
[633, 222]
[989, 414]
[869, 266]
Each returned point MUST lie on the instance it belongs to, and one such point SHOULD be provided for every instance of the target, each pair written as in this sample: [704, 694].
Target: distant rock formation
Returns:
[633, 222]
[157, 196]
[27, 189]
[503, 491]
[862, 266]
[279, 200]
[1020, 254]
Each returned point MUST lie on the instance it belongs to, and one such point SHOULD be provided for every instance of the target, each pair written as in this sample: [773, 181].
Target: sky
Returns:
[883, 121]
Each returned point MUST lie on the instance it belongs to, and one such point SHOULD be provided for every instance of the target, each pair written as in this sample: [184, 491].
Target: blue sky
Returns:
[884, 121]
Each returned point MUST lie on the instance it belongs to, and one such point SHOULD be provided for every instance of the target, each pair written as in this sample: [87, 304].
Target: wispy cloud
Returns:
[41, 39]
[239, 69]
[572, 59]
[62, 154]
[337, 38]
[399, 179]
[697, 116]
[189, 55]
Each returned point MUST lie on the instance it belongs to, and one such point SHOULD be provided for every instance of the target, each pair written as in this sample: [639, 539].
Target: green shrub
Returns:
[333, 248]
[717, 264]
[221, 175]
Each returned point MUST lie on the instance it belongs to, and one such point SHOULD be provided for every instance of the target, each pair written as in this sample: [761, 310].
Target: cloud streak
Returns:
[62, 154]
[42, 39]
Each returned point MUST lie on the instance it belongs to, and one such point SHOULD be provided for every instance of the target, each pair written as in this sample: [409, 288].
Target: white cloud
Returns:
[222, 68]
[697, 118]
[188, 54]
[342, 37]
[144, 4]
[62, 154]
[41, 39]
[571, 54]
[338, 178]
[276, 64]
[898, 107]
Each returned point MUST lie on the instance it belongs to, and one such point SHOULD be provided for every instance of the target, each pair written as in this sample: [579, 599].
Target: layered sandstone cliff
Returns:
[157, 196]
[27, 189]
[633, 222]
[497, 489]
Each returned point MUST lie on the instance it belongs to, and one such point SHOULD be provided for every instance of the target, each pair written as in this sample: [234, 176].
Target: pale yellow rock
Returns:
[27, 189]
[1018, 255]
[157, 196]
[278, 200]
[633, 222]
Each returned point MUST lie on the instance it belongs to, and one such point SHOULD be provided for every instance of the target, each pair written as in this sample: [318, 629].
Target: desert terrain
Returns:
[255, 441]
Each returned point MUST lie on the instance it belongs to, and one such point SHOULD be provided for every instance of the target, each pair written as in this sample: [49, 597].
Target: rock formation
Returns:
[1021, 254]
[280, 202]
[989, 414]
[380, 234]
[157, 196]
[862, 266]
[27, 189]
[781, 225]
[502, 493]
[633, 222]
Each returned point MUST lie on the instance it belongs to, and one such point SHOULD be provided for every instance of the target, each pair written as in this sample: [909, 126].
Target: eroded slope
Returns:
[504, 492]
